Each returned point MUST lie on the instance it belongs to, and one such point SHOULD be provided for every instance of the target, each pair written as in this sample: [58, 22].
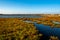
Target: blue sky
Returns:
[29, 6]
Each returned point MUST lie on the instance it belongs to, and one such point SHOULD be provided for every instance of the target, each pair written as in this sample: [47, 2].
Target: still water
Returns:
[47, 30]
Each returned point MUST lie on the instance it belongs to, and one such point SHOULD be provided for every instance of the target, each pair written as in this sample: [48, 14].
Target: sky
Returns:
[29, 6]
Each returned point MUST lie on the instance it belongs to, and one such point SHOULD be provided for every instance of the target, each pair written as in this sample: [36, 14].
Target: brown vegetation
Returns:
[16, 29]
